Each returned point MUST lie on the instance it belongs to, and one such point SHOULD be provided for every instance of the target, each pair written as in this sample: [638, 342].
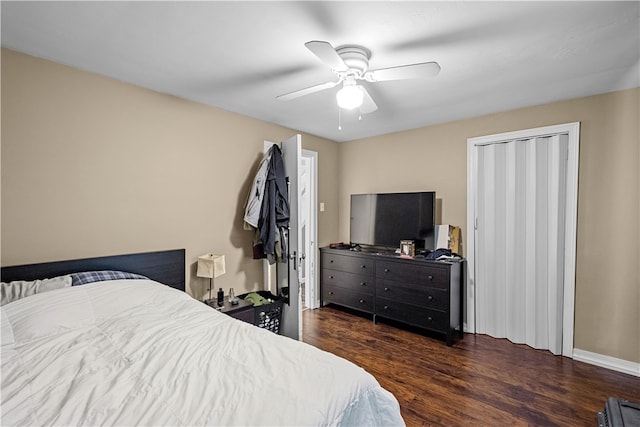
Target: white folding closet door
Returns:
[520, 238]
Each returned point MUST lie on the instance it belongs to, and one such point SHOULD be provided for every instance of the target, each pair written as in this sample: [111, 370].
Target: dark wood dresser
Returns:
[417, 292]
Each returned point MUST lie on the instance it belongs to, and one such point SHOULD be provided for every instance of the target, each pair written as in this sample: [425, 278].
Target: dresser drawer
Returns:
[349, 264]
[431, 275]
[435, 320]
[354, 282]
[420, 295]
[347, 298]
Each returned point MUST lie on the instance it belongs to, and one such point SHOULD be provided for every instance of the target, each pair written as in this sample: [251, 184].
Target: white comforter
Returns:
[134, 352]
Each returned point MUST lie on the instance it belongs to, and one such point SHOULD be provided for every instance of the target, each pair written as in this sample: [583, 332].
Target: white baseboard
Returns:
[608, 362]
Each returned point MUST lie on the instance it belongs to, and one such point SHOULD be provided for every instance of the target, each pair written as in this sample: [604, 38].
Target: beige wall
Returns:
[92, 166]
[608, 257]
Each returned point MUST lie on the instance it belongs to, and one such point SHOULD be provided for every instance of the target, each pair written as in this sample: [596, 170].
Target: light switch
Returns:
[321, 207]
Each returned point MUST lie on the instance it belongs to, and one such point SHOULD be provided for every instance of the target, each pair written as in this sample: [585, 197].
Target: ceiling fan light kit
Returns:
[350, 96]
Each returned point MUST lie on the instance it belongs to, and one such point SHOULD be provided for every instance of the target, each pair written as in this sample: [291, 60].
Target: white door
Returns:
[302, 236]
[292, 315]
[522, 210]
[286, 273]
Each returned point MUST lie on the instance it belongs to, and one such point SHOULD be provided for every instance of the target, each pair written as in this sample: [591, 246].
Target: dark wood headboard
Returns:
[166, 267]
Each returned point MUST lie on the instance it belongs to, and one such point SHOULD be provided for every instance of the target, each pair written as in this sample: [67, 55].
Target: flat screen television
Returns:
[386, 218]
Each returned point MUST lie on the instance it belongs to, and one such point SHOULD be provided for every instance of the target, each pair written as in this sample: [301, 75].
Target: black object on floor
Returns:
[619, 413]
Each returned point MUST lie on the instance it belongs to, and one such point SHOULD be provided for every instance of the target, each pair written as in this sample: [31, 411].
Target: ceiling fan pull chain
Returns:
[339, 118]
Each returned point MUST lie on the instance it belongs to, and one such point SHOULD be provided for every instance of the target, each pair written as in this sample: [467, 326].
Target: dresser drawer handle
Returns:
[429, 319]
[386, 289]
[386, 270]
[363, 284]
[331, 261]
[330, 277]
[386, 307]
[330, 292]
[363, 266]
[430, 297]
[361, 301]
[430, 277]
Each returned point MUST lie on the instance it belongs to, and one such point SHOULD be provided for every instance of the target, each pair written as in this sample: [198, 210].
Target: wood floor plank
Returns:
[476, 382]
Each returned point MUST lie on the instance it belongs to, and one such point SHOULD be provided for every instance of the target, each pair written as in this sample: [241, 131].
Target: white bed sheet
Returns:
[134, 352]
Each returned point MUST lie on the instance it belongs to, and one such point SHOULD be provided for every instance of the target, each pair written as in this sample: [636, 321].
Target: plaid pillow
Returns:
[98, 276]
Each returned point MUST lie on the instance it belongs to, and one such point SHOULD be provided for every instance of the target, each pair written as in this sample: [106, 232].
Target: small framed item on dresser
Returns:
[407, 248]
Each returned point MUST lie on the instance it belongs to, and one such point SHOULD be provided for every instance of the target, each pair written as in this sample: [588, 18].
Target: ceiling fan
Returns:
[351, 63]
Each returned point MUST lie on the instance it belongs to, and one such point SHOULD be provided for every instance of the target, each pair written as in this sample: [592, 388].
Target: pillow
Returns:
[15, 290]
[100, 275]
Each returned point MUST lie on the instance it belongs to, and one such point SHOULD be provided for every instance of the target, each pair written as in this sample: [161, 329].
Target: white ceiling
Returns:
[238, 56]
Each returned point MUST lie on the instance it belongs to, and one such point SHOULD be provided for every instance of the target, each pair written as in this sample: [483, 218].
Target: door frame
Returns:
[571, 219]
[311, 251]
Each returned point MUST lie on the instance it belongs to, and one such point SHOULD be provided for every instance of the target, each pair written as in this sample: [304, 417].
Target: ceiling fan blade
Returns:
[306, 91]
[327, 54]
[404, 72]
[368, 104]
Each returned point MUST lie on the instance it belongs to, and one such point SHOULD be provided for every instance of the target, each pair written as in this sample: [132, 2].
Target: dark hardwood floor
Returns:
[480, 381]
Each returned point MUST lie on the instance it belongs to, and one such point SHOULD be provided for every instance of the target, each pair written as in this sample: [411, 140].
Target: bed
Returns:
[134, 351]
